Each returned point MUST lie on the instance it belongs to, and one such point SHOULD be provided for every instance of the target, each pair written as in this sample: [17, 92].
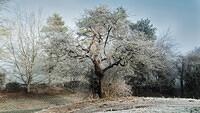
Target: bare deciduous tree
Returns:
[24, 49]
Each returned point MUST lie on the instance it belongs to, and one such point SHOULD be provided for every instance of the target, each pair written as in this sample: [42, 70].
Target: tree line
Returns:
[105, 47]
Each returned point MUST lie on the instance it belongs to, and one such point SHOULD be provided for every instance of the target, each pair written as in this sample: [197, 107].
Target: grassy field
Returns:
[19, 103]
[23, 103]
[131, 105]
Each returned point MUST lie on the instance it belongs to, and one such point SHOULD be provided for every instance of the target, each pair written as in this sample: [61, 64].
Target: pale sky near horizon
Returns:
[182, 17]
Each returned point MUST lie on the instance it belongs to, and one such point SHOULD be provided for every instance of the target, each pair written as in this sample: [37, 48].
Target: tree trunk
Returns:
[99, 75]
[181, 79]
[99, 87]
[49, 80]
[28, 88]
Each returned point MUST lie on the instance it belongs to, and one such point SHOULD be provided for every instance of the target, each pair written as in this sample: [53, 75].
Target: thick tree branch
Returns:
[112, 65]
[73, 54]
[108, 33]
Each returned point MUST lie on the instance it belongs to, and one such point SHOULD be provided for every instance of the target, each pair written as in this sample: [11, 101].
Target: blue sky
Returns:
[182, 17]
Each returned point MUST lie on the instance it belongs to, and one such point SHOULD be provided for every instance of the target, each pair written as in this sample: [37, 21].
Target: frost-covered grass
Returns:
[132, 105]
[159, 109]
[161, 105]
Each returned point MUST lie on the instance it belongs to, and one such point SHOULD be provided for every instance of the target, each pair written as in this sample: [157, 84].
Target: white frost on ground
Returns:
[132, 105]
[162, 105]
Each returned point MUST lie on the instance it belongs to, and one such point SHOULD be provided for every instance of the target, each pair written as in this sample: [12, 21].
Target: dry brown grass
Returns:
[19, 101]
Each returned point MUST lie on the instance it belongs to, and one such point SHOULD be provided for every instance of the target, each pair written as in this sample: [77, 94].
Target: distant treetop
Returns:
[145, 26]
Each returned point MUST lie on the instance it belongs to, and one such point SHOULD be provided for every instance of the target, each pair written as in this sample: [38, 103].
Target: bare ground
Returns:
[130, 105]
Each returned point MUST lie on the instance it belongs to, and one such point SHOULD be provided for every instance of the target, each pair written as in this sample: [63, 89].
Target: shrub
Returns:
[77, 86]
[13, 87]
[116, 88]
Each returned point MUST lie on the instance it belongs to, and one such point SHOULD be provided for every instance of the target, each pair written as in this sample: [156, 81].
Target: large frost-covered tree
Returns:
[98, 31]
[105, 38]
